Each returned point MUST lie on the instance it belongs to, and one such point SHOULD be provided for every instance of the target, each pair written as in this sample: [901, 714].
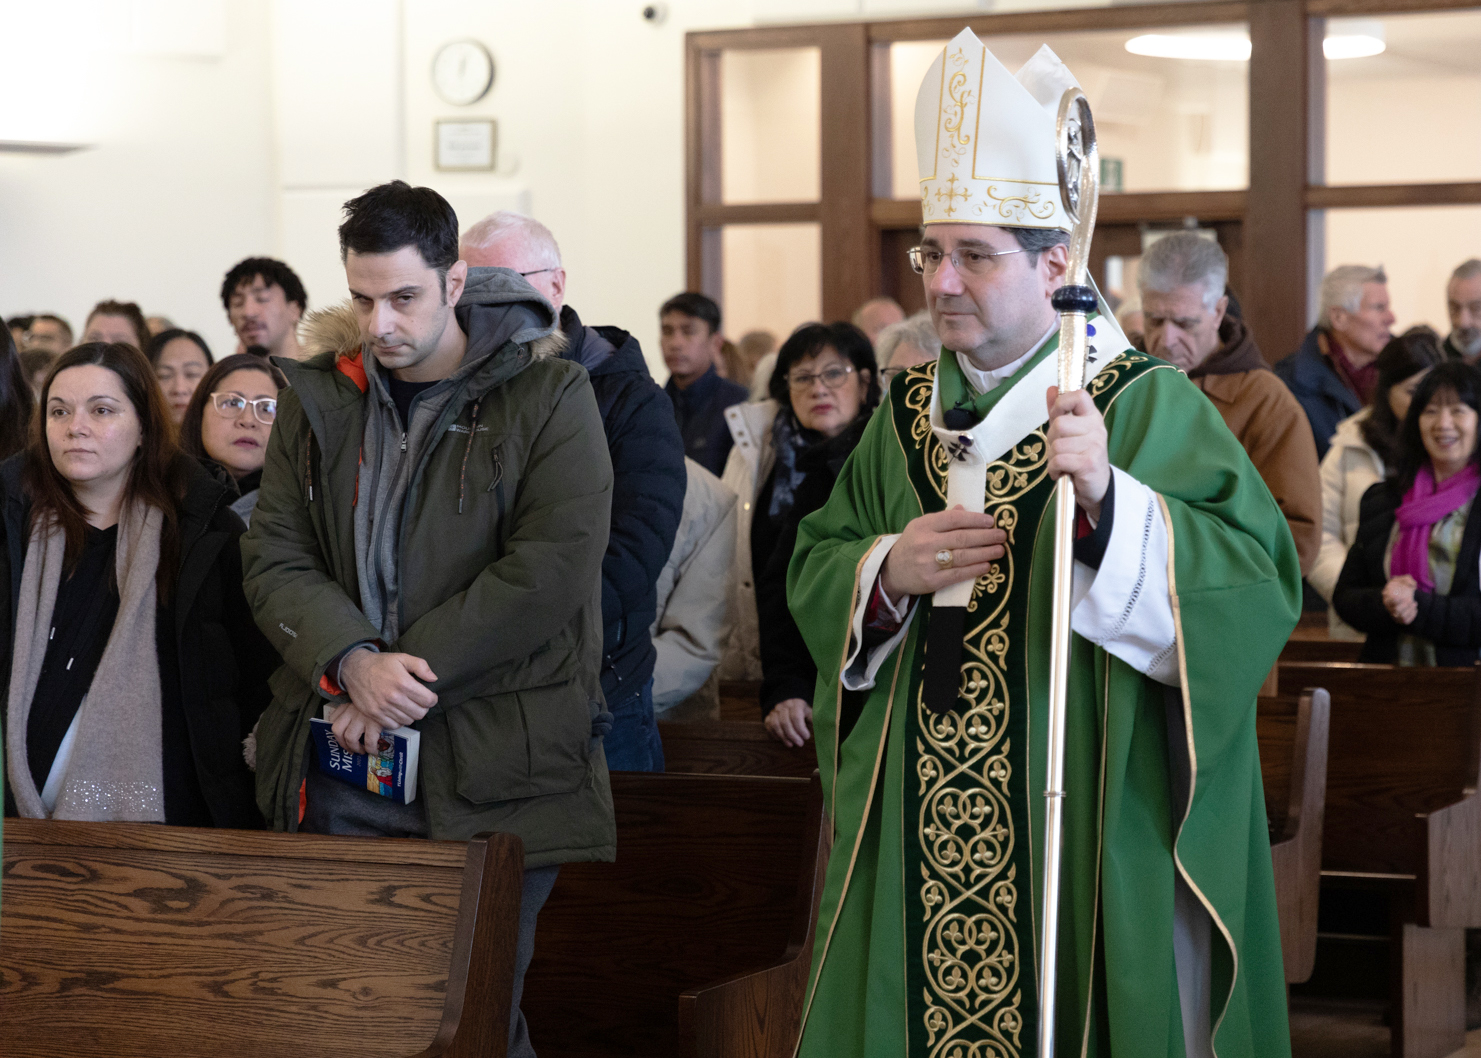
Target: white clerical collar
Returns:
[985, 382]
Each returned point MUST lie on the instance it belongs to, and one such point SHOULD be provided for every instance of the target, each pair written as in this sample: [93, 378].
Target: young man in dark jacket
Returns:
[426, 550]
[648, 480]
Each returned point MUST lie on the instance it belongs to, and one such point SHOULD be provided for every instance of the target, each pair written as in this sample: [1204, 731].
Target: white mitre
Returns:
[985, 138]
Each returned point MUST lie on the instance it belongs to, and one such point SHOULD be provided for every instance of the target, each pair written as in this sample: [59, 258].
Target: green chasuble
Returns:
[927, 943]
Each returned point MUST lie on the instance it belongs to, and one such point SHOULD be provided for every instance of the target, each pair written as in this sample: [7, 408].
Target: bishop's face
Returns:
[995, 306]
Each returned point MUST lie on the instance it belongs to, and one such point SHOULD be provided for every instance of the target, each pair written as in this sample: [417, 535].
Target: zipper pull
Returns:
[403, 440]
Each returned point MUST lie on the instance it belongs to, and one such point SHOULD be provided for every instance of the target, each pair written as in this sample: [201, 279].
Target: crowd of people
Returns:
[470, 487]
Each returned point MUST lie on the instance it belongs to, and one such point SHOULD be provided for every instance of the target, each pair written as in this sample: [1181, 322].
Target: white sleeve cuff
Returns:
[859, 670]
[1125, 607]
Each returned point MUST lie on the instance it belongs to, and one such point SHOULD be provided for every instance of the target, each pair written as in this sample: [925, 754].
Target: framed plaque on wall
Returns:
[468, 145]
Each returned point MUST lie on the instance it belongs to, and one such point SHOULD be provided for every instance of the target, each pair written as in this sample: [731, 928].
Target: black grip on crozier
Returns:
[943, 678]
[1074, 299]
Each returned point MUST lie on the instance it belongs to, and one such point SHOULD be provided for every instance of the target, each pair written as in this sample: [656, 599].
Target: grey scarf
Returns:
[116, 770]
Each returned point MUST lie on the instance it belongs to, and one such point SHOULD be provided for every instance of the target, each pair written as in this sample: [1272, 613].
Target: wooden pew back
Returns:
[697, 940]
[728, 747]
[1292, 733]
[1404, 753]
[129, 940]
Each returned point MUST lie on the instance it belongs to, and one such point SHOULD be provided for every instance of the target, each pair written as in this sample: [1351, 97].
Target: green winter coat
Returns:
[502, 535]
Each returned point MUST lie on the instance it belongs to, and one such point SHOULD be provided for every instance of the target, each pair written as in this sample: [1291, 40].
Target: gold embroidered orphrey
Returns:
[969, 863]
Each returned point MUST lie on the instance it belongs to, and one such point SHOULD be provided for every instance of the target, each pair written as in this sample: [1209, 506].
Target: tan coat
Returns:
[746, 470]
[1271, 426]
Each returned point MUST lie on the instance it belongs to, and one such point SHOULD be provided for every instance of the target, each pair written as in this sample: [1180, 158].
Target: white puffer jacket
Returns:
[1349, 468]
[746, 469]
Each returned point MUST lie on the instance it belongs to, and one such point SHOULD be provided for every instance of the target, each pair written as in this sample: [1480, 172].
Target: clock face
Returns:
[462, 72]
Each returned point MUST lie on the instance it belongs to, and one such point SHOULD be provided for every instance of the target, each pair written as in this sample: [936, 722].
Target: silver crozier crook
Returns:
[1079, 189]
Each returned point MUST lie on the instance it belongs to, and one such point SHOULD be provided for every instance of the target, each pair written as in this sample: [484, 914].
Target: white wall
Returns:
[177, 185]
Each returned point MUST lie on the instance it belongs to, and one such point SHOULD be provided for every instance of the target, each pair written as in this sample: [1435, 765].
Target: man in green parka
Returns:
[426, 550]
[924, 590]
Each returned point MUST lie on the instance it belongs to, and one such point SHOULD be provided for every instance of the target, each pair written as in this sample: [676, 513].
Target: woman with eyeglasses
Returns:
[228, 421]
[135, 669]
[787, 454]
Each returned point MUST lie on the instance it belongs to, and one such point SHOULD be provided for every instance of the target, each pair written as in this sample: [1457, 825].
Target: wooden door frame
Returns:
[1280, 211]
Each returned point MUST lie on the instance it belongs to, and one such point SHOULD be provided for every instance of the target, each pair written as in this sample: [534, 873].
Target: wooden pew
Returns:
[1403, 765]
[1308, 644]
[129, 940]
[740, 701]
[732, 748]
[698, 940]
[1293, 763]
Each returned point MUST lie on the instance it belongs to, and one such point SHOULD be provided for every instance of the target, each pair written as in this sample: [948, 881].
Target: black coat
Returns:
[787, 667]
[700, 414]
[223, 660]
[648, 483]
[1452, 622]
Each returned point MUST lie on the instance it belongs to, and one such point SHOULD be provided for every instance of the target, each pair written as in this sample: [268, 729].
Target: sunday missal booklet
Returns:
[391, 773]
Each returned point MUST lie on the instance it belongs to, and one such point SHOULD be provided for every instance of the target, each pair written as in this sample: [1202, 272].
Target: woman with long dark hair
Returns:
[16, 401]
[135, 670]
[823, 390]
[1411, 580]
[1361, 449]
[180, 359]
[228, 420]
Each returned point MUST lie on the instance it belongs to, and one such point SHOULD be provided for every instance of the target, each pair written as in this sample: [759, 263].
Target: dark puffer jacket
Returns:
[224, 662]
[648, 482]
[1452, 622]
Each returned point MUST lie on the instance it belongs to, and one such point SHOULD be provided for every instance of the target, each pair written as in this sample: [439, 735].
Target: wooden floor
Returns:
[1346, 1028]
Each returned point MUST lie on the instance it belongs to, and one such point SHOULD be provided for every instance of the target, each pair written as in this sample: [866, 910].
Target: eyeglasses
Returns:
[926, 260]
[833, 377]
[537, 271]
[231, 405]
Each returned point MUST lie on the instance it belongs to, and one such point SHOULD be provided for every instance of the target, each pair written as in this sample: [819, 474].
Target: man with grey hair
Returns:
[648, 479]
[1334, 371]
[903, 345]
[1463, 299]
[1182, 279]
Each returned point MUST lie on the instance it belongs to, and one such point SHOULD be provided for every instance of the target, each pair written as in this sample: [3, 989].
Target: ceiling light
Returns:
[1226, 47]
[1346, 39]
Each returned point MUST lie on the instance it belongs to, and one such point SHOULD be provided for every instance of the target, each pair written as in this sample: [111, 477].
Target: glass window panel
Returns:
[771, 277]
[1173, 124]
[770, 121]
[1418, 246]
[1412, 113]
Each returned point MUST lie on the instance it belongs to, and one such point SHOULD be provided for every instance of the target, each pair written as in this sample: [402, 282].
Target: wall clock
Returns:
[462, 72]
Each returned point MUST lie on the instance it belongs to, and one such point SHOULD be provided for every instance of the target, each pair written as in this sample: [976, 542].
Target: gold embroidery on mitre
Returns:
[1013, 207]
[968, 889]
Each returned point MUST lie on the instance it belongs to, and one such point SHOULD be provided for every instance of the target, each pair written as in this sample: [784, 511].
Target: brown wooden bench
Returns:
[1403, 765]
[1312, 644]
[120, 939]
[729, 747]
[1292, 732]
[740, 701]
[698, 940]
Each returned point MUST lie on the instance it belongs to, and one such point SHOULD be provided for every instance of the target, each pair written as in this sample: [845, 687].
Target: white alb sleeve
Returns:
[859, 669]
[1125, 606]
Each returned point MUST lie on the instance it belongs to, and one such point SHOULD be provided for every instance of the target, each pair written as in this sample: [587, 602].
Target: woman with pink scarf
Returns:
[1412, 579]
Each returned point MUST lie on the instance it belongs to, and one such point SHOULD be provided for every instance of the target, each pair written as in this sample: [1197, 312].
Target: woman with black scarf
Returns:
[827, 386]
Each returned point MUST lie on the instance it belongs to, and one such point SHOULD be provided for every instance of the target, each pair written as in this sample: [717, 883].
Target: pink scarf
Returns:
[1425, 504]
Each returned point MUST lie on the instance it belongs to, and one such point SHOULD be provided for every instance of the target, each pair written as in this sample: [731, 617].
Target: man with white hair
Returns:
[1186, 322]
[1462, 299]
[906, 344]
[648, 479]
[1334, 371]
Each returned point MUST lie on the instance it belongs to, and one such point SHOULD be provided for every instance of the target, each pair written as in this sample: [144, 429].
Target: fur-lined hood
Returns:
[335, 329]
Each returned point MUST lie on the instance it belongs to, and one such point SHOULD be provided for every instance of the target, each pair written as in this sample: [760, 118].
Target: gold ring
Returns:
[943, 559]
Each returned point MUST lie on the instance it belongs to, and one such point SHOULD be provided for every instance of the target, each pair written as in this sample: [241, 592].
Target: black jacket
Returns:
[223, 660]
[700, 413]
[1452, 622]
[648, 482]
[1316, 386]
[787, 668]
